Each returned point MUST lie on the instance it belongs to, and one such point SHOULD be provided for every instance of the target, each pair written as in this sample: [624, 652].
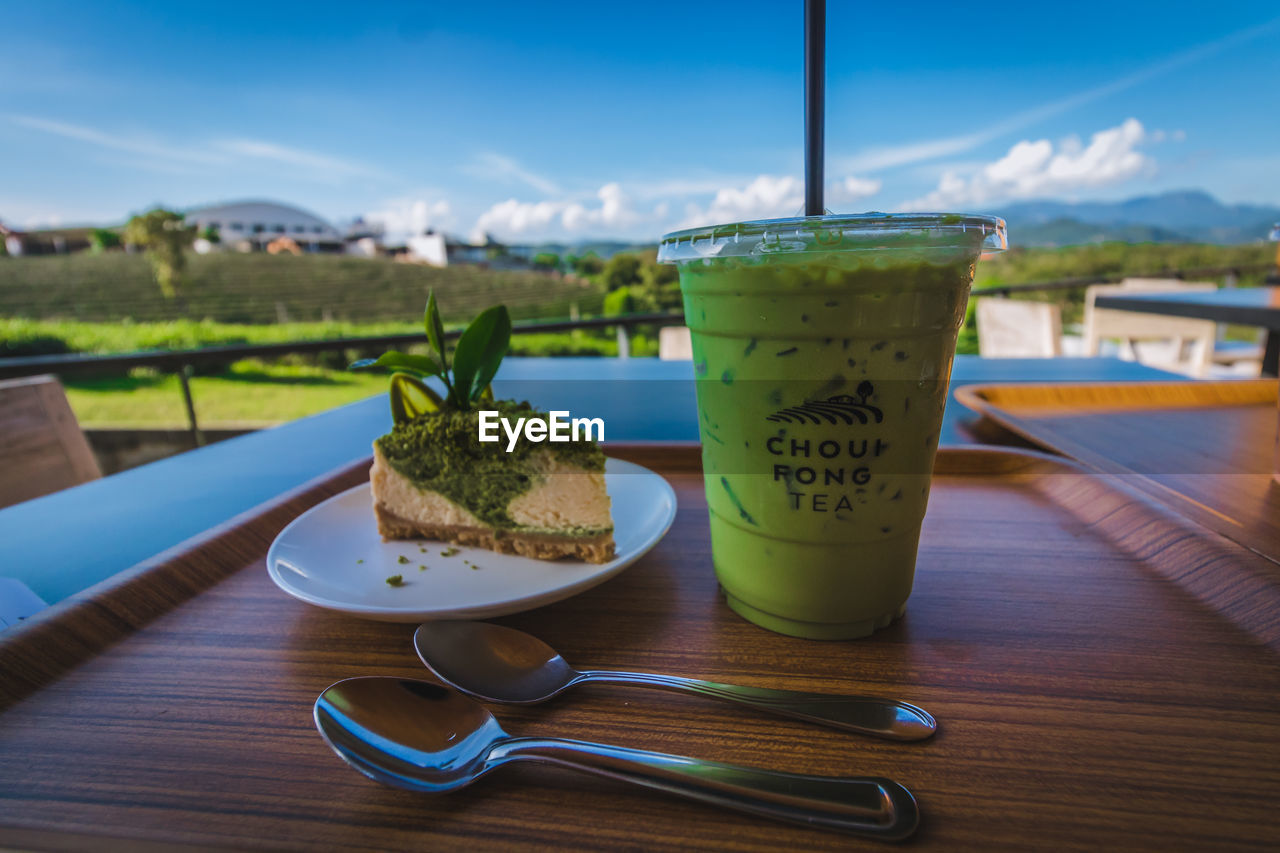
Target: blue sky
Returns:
[559, 120]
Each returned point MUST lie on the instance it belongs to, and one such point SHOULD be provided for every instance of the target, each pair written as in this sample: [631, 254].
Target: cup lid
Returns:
[837, 232]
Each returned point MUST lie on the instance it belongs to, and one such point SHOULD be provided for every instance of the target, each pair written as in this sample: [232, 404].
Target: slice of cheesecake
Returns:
[432, 478]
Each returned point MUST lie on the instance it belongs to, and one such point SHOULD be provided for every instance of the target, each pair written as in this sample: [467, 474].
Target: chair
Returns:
[1017, 328]
[1187, 343]
[42, 449]
[675, 343]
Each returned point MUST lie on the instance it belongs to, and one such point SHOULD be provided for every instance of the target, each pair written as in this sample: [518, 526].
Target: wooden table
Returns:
[1087, 697]
[1245, 306]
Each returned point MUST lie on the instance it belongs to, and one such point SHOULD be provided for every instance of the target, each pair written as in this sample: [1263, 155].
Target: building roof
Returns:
[266, 213]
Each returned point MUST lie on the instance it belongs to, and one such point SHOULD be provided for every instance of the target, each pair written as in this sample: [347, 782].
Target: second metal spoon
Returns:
[423, 737]
[500, 664]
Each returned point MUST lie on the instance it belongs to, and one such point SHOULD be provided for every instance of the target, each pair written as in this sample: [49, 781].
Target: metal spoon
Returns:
[500, 664]
[424, 737]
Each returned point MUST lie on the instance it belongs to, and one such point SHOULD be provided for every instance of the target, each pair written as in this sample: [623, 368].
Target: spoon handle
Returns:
[867, 715]
[868, 805]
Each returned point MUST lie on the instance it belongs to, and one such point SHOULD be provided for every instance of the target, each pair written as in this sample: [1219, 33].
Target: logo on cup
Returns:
[841, 408]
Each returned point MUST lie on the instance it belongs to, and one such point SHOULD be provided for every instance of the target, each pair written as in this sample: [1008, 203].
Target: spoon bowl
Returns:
[408, 733]
[493, 662]
[500, 664]
[423, 737]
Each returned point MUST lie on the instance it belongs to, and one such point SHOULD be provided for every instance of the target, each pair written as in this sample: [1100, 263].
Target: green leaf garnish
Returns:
[476, 358]
[411, 398]
[435, 329]
[479, 352]
[420, 365]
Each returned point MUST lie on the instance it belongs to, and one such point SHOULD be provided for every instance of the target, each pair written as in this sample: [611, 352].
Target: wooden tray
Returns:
[1093, 690]
[1207, 449]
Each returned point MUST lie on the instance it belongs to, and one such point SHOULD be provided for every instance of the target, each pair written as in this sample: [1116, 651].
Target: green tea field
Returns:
[259, 288]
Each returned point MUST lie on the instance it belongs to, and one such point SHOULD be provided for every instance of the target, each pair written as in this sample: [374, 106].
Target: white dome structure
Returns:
[260, 222]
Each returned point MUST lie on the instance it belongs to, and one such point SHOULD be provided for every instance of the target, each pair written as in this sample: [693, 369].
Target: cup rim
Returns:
[836, 232]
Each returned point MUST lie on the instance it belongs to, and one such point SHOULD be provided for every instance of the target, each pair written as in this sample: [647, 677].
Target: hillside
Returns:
[260, 288]
[1185, 216]
[1070, 232]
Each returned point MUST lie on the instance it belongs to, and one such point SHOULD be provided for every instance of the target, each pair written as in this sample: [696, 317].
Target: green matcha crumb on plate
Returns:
[450, 552]
[402, 560]
[395, 580]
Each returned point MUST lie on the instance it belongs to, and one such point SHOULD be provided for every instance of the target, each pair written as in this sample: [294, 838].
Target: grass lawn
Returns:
[249, 394]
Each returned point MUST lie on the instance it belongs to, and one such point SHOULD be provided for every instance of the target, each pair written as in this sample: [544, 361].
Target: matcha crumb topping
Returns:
[441, 451]
[395, 580]
[358, 562]
[402, 560]
[449, 552]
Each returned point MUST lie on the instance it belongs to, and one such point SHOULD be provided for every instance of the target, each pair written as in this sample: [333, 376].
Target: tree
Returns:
[546, 261]
[619, 302]
[164, 235]
[101, 239]
[623, 270]
[588, 265]
[661, 284]
[211, 234]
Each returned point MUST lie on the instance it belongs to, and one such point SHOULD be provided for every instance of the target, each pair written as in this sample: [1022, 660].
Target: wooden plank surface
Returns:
[1088, 697]
[1208, 449]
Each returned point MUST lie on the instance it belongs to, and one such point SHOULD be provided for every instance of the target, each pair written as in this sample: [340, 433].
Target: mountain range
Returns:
[1184, 216]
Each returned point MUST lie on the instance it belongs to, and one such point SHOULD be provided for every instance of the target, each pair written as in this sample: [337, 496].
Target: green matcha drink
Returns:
[822, 348]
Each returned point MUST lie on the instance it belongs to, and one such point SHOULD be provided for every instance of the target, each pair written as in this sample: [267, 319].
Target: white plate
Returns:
[332, 556]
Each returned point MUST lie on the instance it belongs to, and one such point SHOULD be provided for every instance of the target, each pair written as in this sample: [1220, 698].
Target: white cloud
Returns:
[409, 217]
[490, 164]
[613, 215]
[168, 157]
[517, 217]
[115, 142]
[681, 187]
[1035, 168]
[851, 189]
[614, 211]
[296, 157]
[772, 197]
[766, 197]
[885, 157]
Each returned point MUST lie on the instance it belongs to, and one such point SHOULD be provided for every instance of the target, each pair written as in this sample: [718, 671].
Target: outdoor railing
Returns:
[184, 362]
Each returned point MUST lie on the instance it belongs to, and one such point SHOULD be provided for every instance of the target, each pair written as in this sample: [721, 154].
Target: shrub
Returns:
[623, 270]
[619, 302]
[17, 346]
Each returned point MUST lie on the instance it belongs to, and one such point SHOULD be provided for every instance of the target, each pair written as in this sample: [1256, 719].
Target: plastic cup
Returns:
[822, 349]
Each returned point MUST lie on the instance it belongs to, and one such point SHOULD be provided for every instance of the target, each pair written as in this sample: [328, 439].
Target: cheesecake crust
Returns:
[597, 548]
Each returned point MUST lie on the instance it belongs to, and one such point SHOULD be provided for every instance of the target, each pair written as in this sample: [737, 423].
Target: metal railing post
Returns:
[184, 378]
[624, 342]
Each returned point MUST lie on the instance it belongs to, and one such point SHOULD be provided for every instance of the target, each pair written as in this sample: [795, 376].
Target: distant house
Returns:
[49, 241]
[12, 240]
[256, 224]
[428, 248]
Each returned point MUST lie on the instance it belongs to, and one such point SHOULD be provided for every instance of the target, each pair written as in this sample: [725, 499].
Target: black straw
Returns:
[815, 60]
